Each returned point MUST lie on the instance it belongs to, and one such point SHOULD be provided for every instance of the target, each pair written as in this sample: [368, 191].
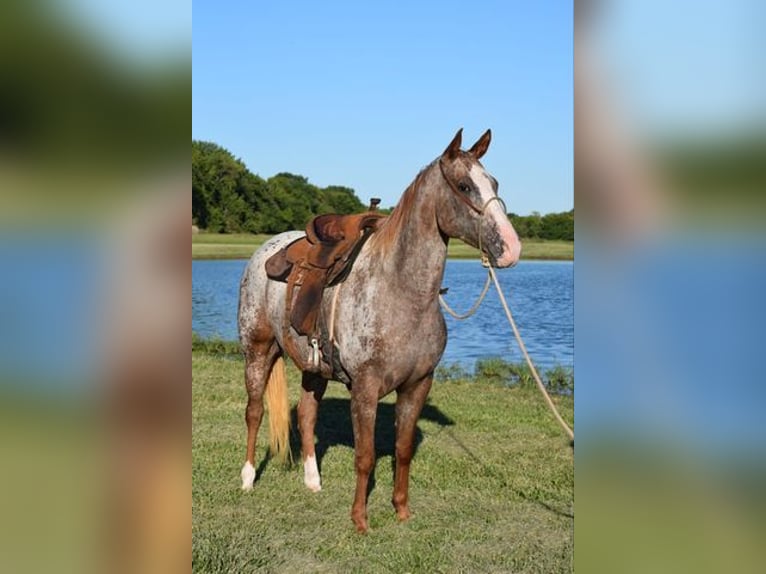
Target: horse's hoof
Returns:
[361, 524]
[248, 476]
[362, 528]
[403, 514]
[313, 487]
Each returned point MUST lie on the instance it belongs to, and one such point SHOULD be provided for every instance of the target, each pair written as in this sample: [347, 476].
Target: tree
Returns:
[343, 200]
[217, 189]
[550, 226]
[557, 226]
[228, 198]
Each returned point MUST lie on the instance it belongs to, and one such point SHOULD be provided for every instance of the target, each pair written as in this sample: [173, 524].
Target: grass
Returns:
[530, 249]
[226, 245]
[491, 484]
[242, 246]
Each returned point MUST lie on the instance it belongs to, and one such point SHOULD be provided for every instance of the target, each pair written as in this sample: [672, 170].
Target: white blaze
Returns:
[495, 213]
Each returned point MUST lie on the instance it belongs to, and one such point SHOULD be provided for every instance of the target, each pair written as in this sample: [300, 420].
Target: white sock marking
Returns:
[311, 474]
[248, 476]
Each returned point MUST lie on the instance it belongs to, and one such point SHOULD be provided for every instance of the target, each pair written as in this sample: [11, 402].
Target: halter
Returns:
[472, 205]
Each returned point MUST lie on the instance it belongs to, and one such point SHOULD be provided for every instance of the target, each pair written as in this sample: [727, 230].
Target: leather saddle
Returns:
[312, 263]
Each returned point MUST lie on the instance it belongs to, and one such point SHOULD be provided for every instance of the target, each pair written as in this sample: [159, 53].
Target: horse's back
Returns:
[255, 306]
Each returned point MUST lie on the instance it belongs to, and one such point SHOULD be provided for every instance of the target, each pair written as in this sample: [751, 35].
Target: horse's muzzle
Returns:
[510, 256]
[504, 247]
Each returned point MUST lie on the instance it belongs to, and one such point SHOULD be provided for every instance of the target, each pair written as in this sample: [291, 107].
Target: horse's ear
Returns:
[454, 147]
[480, 147]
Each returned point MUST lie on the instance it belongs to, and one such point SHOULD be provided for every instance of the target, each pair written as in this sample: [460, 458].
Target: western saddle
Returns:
[311, 264]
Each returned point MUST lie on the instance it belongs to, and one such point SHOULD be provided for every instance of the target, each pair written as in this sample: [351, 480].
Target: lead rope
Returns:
[491, 274]
[470, 311]
[532, 368]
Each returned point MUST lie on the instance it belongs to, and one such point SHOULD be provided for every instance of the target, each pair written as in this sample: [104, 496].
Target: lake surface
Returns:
[540, 293]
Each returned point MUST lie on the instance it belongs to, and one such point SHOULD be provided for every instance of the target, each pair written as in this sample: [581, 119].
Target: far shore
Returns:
[242, 245]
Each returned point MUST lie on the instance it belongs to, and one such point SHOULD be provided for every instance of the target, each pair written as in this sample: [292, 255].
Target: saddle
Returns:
[312, 263]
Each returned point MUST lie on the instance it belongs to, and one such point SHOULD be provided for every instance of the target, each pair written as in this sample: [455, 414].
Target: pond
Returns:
[540, 293]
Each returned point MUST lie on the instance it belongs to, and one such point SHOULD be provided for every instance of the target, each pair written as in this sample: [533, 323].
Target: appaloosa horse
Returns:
[389, 332]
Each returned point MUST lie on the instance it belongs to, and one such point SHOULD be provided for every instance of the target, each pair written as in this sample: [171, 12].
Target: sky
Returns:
[685, 67]
[142, 30]
[364, 94]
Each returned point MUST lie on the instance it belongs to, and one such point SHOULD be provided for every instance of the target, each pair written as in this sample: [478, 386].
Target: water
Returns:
[540, 294]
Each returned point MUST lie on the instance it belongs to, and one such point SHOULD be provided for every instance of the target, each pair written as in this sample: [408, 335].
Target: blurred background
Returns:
[670, 174]
[670, 132]
[95, 105]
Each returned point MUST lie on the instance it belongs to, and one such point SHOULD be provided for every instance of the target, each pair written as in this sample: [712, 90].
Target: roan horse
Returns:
[388, 329]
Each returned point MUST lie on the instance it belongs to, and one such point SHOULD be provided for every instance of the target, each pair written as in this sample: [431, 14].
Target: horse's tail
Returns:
[279, 412]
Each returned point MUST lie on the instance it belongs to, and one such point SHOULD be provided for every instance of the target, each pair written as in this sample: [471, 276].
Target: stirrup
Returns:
[314, 353]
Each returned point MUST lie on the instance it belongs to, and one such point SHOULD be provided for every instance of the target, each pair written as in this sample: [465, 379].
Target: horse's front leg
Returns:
[409, 403]
[364, 406]
[314, 388]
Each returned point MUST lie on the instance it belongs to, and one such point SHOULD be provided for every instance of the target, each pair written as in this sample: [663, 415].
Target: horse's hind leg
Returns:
[313, 388]
[259, 359]
[409, 403]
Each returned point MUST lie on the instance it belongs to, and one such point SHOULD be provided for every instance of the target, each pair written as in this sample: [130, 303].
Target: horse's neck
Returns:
[416, 259]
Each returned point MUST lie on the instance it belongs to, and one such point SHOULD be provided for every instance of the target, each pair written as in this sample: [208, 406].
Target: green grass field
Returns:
[242, 246]
[491, 486]
[225, 245]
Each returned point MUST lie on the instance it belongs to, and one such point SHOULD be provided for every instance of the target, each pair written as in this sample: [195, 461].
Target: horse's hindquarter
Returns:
[382, 325]
[261, 300]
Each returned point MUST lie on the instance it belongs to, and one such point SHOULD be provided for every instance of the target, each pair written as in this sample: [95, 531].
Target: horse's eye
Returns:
[463, 188]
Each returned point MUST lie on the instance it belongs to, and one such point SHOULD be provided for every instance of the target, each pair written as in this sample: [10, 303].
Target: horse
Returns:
[388, 329]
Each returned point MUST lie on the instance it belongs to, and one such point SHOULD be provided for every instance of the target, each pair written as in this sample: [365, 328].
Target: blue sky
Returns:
[364, 94]
[142, 30]
[685, 67]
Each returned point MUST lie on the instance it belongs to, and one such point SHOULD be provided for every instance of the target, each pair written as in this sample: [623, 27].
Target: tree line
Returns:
[548, 226]
[228, 198]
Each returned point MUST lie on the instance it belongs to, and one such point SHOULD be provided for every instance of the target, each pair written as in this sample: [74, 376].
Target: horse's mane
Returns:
[386, 235]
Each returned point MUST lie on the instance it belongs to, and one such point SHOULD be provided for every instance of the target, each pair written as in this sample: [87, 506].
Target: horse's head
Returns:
[470, 208]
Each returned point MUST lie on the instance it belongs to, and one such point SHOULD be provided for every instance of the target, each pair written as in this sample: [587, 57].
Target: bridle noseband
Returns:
[480, 211]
